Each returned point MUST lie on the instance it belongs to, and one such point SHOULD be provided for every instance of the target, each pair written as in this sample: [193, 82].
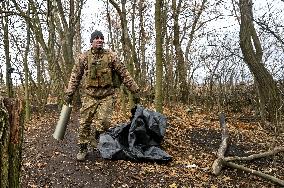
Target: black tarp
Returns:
[138, 140]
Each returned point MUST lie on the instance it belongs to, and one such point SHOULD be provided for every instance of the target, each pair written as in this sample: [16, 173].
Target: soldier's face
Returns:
[98, 42]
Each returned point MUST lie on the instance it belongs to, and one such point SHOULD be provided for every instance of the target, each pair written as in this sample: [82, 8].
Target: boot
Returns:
[83, 150]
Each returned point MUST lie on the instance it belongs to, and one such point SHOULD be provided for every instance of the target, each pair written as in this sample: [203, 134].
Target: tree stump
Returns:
[11, 139]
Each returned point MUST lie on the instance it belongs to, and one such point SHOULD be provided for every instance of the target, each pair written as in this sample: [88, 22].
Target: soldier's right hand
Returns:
[68, 99]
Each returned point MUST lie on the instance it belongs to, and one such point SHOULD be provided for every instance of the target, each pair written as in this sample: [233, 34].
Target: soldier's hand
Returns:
[68, 99]
[136, 98]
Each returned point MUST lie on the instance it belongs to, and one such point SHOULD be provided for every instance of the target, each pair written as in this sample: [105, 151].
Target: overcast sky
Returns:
[91, 20]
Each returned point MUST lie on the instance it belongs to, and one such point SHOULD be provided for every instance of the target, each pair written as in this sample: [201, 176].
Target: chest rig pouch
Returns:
[99, 71]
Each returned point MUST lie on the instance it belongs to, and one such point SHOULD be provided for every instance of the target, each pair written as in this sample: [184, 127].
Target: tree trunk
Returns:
[40, 76]
[252, 52]
[26, 70]
[131, 53]
[9, 69]
[142, 45]
[110, 39]
[11, 138]
[181, 66]
[159, 57]
[136, 62]
[168, 81]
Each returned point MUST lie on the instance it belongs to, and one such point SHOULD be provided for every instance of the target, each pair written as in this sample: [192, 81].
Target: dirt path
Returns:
[51, 163]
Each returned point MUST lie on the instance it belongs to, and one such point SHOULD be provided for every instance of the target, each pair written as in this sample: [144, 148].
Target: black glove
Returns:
[68, 99]
[136, 98]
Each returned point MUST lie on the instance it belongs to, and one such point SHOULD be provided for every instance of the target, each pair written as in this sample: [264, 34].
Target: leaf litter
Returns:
[191, 138]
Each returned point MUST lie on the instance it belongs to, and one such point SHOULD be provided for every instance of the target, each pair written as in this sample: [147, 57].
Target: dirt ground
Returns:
[191, 139]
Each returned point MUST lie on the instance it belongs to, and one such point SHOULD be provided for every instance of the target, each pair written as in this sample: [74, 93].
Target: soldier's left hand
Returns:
[68, 99]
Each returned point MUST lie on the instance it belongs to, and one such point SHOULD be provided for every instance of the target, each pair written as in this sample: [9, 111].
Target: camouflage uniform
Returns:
[94, 68]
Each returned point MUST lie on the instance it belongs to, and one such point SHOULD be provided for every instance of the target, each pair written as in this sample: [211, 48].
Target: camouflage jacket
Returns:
[81, 71]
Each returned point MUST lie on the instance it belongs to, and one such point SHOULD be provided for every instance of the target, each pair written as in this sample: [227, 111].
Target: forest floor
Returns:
[191, 139]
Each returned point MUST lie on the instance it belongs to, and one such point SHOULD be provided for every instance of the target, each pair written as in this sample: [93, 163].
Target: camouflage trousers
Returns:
[95, 117]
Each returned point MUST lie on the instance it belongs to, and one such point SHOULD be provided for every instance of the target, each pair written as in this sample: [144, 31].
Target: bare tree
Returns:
[26, 71]
[159, 56]
[181, 67]
[252, 51]
[9, 69]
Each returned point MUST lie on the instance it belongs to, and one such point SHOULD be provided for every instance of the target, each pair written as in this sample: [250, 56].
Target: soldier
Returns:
[96, 68]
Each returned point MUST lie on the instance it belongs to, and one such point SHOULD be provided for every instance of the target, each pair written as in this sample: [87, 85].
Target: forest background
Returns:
[193, 60]
[217, 55]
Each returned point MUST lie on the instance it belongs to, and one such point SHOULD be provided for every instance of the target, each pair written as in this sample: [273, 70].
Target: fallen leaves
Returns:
[27, 164]
[173, 185]
[193, 141]
[41, 165]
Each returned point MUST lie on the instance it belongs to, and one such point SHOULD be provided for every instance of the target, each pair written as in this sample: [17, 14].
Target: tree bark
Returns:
[9, 69]
[11, 138]
[26, 71]
[181, 65]
[142, 45]
[159, 57]
[109, 26]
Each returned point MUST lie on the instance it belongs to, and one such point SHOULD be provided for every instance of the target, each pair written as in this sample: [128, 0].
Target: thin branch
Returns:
[256, 156]
[218, 163]
[267, 28]
[255, 172]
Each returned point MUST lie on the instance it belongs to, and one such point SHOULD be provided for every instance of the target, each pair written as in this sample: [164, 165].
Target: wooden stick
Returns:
[255, 156]
[255, 172]
[221, 160]
[218, 163]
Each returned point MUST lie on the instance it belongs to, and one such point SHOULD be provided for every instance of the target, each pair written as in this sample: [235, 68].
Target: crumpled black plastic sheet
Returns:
[138, 140]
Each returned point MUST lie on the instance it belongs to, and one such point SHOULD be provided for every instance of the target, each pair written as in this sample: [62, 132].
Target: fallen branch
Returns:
[218, 163]
[255, 172]
[256, 156]
[222, 161]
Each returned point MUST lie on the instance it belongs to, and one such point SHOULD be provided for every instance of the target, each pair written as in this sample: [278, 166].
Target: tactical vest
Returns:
[99, 73]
